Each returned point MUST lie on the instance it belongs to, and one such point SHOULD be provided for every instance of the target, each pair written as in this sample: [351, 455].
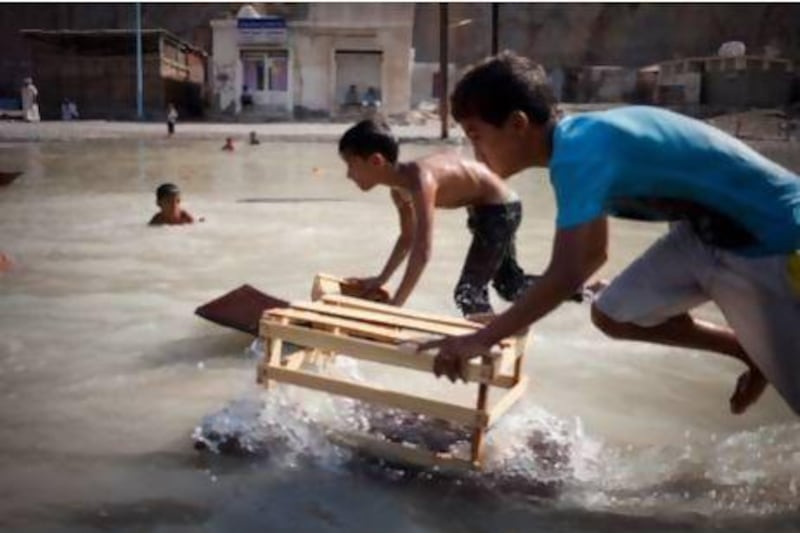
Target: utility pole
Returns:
[139, 79]
[444, 108]
[495, 19]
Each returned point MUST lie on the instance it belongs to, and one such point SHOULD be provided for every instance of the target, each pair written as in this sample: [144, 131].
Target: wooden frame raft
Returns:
[388, 335]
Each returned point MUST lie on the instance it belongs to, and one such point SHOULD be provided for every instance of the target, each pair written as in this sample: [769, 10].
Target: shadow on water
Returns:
[196, 349]
[142, 515]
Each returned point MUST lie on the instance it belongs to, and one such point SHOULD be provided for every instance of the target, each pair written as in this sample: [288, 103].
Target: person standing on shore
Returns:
[29, 94]
[172, 118]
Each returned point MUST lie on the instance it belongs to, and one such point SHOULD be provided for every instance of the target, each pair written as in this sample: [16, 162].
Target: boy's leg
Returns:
[510, 281]
[758, 299]
[650, 301]
[483, 258]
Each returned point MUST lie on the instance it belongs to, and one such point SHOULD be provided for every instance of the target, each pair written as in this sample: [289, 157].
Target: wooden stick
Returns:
[519, 356]
[348, 326]
[381, 318]
[446, 411]
[480, 431]
[434, 322]
[325, 284]
[399, 452]
[509, 399]
[358, 303]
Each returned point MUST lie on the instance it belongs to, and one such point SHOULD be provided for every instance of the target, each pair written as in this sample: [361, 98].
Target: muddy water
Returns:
[105, 372]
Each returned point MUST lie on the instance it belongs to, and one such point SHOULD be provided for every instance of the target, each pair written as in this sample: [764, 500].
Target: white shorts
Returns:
[759, 297]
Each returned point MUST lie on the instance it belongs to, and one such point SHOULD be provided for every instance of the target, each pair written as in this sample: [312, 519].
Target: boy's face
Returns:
[170, 203]
[363, 171]
[504, 149]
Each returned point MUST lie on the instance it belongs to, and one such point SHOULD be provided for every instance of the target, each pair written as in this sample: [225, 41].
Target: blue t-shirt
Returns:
[652, 164]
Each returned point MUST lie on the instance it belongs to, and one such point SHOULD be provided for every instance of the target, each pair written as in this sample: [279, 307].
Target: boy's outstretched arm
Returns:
[401, 245]
[577, 253]
[423, 199]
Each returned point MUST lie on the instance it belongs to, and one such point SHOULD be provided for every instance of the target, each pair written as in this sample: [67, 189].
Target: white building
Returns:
[266, 66]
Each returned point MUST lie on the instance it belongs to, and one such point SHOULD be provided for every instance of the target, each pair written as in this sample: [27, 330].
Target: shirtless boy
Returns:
[168, 199]
[442, 180]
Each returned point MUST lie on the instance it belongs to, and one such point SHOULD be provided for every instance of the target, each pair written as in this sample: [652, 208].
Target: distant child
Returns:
[228, 146]
[5, 262]
[734, 235]
[172, 118]
[168, 199]
[254, 138]
[442, 180]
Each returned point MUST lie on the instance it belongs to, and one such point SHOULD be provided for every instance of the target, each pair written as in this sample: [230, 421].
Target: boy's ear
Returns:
[376, 159]
[518, 121]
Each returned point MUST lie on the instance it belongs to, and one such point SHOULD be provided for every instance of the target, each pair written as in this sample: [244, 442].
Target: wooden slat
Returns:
[369, 350]
[367, 305]
[435, 323]
[381, 318]
[372, 331]
[325, 284]
[446, 411]
[398, 452]
[510, 398]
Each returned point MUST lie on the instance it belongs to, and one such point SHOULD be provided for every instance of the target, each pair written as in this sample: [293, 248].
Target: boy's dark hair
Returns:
[496, 87]
[368, 137]
[166, 189]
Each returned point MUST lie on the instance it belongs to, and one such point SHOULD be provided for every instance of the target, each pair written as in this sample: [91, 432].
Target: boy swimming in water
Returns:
[168, 199]
[442, 180]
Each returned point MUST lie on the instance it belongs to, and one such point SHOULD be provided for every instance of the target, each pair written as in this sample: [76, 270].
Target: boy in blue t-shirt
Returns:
[734, 226]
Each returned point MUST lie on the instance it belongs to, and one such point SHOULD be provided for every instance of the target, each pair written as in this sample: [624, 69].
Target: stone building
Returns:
[267, 66]
[727, 82]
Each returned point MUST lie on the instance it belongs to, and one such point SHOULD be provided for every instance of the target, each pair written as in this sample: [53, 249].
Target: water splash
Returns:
[530, 454]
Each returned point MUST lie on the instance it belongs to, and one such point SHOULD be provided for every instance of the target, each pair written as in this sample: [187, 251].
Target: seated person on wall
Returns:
[351, 98]
[372, 98]
[247, 98]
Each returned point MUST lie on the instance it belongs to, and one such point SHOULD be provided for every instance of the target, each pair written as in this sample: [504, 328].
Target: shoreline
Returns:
[80, 130]
[785, 152]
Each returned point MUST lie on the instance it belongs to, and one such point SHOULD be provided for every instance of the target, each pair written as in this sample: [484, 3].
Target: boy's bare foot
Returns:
[749, 388]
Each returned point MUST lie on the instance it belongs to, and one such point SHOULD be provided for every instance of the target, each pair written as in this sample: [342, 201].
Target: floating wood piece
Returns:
[330, 284]
[387, 335]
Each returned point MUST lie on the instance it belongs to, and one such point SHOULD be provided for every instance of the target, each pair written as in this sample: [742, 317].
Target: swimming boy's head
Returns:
[168, 197]
[506, 107]
[369, 148]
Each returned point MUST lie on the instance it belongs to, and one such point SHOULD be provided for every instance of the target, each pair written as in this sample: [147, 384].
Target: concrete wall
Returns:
[330, 27]
[225, 81]
[744, 88]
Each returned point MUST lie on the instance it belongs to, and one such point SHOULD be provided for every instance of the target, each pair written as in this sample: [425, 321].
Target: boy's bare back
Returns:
[455, 181]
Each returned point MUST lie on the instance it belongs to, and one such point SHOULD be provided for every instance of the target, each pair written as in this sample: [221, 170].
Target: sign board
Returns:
[264, 30]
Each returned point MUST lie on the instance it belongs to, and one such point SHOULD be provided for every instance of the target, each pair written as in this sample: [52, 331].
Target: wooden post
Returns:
[479, 433]
[519, 355]
[444, 89]
[495, 21]
[272, 356]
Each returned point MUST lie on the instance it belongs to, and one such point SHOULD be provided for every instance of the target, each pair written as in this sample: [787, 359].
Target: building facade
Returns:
[270, 67]
[97, 70]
